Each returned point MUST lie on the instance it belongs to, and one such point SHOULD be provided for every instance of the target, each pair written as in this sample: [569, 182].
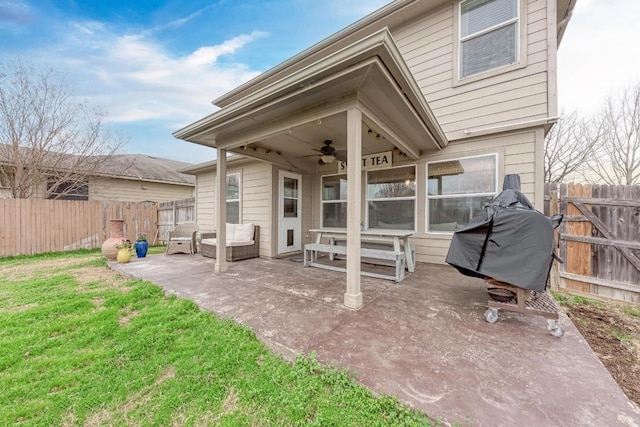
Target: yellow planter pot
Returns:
[124, 255]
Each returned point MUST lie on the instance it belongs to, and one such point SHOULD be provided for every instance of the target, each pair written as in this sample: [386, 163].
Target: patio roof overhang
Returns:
[286, 122]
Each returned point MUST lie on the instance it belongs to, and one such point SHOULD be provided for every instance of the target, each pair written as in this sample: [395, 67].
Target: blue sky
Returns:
[155, 66]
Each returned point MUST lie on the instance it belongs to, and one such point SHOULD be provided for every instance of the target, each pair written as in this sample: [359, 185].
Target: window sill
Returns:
[489, 74]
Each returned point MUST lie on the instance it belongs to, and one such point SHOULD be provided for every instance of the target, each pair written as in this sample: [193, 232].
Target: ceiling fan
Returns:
[328, 153]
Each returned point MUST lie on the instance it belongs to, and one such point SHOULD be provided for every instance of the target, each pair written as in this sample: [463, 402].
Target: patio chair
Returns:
[182, 239]
[243, 242]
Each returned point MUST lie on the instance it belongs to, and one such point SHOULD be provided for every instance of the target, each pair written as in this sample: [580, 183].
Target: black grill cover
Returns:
[508, 241]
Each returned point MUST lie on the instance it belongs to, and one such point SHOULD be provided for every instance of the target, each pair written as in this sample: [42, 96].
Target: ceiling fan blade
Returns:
[341, 155]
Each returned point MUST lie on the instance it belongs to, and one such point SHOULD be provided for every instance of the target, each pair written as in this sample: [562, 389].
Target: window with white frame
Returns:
[489, 35]
[391, 198]
[233, 198]
[458, 189]
[334, 201]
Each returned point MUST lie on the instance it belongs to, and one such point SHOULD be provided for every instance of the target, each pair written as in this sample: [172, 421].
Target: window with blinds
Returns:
[489, 35]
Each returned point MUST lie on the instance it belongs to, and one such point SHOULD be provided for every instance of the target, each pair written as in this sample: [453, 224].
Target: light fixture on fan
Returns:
[326, 159]
[327, 153]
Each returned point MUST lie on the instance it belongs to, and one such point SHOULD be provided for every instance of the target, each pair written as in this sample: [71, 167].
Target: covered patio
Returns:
[424, 340]
[358, 95]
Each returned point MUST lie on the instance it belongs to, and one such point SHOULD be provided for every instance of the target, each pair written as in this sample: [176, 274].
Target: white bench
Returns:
[397, 257]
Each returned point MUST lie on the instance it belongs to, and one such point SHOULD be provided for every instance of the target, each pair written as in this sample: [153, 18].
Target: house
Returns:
[142, 178]
[127, 177]
[430, 103]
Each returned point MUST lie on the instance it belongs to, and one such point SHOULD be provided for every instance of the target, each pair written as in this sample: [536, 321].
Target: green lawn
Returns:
[81, 345]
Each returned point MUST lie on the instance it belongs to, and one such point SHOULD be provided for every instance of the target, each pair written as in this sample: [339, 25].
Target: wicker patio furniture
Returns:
[182, 239]
[238, 247]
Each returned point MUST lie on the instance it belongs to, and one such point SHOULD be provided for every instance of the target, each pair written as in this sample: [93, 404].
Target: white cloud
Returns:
[600, 53]
[134, 78]
[208, 55]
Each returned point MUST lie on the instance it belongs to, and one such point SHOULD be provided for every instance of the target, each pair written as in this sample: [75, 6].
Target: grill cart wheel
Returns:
[525, 301]
[491, 315]
[554, 329]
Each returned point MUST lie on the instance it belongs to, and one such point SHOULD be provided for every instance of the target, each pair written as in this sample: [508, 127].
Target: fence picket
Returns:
[602, 254]
[31, 226]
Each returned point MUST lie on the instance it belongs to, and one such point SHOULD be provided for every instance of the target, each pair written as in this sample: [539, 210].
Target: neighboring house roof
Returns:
[129, 166]
[148, 168]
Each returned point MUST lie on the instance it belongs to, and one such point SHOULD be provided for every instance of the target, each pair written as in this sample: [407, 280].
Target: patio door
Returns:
[290, 212]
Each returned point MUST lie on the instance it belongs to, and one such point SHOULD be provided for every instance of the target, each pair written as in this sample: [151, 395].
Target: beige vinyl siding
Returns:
[514, 96]
[255, 203]
[257, 199]
[516, 155]
[205, 201]
[124, 190]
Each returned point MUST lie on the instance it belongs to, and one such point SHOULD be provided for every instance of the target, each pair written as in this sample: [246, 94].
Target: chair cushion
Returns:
[214, 242]
[231, 231]
[243, 233]
[181, 239]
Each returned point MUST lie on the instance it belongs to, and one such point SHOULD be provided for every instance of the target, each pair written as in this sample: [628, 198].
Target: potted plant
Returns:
[124, 251]
[142, 245]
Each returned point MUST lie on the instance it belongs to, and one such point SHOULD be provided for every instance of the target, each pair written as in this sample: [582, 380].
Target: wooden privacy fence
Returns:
[599, 239]
[31, 226]
[173, 213]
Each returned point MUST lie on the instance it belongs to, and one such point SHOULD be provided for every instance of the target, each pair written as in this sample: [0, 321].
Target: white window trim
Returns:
[322, 201]
[388, 199]
[454, 196]
[239, 199]
[521, 46]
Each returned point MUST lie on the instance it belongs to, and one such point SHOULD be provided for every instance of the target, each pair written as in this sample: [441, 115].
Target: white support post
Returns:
[221, 208]
[353, 296]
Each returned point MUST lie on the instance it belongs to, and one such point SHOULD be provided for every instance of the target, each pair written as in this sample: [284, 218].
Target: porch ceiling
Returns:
[291, 118]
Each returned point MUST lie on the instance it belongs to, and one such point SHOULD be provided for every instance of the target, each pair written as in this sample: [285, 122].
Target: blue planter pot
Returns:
[141, 249]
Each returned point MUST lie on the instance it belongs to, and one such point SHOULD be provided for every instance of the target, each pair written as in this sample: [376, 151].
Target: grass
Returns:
[631, 311]
[84, 346]
[568, 299]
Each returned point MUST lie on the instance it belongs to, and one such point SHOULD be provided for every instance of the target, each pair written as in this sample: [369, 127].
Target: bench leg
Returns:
[400, 266]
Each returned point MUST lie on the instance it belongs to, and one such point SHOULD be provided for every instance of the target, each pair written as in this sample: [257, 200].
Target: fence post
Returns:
[554, 209]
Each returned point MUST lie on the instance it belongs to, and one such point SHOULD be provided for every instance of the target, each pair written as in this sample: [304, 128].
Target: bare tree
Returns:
[618, 138]
[50, 143]
[568, 146]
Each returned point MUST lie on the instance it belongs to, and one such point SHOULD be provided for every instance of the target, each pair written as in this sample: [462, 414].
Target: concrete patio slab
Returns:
[423, 340]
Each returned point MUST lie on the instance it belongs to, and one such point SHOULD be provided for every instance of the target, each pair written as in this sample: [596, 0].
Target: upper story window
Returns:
[489, 35]
[233, 198]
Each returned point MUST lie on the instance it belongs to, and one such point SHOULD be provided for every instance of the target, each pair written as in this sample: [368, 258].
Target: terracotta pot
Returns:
[116, 236]
[123, 255]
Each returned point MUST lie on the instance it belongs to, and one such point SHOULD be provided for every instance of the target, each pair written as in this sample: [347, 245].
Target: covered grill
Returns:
[508, 241]
[511, 246]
